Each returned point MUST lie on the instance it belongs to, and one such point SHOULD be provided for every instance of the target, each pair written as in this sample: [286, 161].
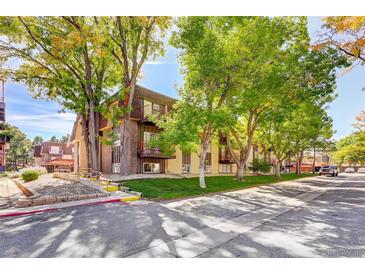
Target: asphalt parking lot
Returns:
[312, 217]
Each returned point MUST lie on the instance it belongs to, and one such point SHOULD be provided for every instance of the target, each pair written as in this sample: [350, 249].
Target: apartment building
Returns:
[53, 154]
[144, 159]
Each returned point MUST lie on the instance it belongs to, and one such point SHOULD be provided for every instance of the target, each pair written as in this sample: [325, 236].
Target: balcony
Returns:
[151, 110]
[145, 152]
[225, 157]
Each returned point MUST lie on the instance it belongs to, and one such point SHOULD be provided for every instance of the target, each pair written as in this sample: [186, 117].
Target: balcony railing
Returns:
[155, 152]
[151, 110]
[225, 156]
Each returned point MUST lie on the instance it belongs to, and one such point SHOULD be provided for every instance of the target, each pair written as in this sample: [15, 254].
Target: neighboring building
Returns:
[142, 130]
[37, 156]
[53, 154]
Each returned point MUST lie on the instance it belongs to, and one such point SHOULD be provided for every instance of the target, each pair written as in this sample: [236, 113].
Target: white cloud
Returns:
[158, 62]
[48, 124]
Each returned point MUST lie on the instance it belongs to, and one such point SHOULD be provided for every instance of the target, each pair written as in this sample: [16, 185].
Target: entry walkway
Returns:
[8, 192]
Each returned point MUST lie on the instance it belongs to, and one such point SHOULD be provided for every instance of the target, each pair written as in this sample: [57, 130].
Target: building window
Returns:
[116, 133]
[147, 138]
[225, 168]
[186, 162]
[208, 163]
[54, 150]
[147, 108]
[151, 168]
[116, 155]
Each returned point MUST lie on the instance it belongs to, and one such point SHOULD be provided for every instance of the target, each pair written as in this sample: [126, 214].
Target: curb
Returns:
[21, 213]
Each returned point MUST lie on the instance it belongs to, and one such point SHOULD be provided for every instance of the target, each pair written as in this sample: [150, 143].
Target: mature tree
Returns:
[299, 117]
[351, 149]
[37, 140]
[64, 59]
[133, 39]
[264, 53]
[347, 34]
[20, 146]
[64, 139]
[54, 139]
[199, 114]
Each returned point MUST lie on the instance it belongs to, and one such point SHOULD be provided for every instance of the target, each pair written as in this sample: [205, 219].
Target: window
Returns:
[116, 155]
[208, 163]
[148, 137]
[116, 133]
[147, 107]
[151, 168]
[224, 168]
[54, 150]
[156, 107]
[186, 162]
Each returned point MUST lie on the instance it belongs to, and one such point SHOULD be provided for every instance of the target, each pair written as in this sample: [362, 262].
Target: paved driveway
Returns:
[315, 217]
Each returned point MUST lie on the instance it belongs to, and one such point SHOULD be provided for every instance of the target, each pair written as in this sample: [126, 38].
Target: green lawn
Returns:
[185, 187]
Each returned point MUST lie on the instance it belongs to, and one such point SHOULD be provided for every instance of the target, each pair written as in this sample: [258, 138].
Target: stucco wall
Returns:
[174, 166]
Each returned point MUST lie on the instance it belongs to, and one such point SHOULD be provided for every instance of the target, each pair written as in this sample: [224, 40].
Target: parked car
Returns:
[349, 170]
[329, 170]
[361, 170]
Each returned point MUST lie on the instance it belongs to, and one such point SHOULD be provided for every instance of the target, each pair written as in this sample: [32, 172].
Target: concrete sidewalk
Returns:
[9, 192]
[218, 233]
[119, 197]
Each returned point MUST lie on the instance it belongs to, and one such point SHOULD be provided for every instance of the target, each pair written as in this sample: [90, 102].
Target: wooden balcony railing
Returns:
[225, 156]
[151, 110]
[145, 151]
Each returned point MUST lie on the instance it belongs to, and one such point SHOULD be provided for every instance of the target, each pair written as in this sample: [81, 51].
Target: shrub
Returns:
[258, 165]
[40, 170]
[30, 175]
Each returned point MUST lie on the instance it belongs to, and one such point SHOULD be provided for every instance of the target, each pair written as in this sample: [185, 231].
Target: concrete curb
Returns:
[53, 207]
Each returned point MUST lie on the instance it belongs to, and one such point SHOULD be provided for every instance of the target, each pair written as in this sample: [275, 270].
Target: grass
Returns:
[163, 189]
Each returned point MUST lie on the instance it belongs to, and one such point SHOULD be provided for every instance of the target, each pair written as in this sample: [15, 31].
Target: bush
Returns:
[40, 170]
[30, 175]
[258, 165]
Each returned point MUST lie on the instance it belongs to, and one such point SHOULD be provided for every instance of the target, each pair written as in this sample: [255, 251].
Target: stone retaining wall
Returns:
[67, 176]
[36, 201]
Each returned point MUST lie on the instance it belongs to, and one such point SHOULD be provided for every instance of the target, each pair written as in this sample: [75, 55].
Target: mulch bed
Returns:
[66, 190]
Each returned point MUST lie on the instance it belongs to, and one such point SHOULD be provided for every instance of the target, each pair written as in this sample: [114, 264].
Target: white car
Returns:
[349, 170]
[361, 170]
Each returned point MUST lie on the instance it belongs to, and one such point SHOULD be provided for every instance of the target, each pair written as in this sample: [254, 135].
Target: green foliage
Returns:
[54, 139]
[20, 146]
[38, 140]
[350, 150]
[258, 165]
[30, 175]
[64, 139]
[185, 187]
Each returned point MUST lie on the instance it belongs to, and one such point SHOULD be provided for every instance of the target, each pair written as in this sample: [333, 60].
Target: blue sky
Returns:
[40, 117]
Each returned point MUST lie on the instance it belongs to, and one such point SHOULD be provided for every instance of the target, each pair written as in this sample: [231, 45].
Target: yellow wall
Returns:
[174, 166]
[79, 147]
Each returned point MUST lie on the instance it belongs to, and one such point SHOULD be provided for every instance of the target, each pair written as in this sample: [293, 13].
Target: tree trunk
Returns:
[202, 156]
[125, 135]
[277, 169]
[314, 160]
[299, 163]
[97, 149]
[92, 137]
[85, 134]
[240, 170]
